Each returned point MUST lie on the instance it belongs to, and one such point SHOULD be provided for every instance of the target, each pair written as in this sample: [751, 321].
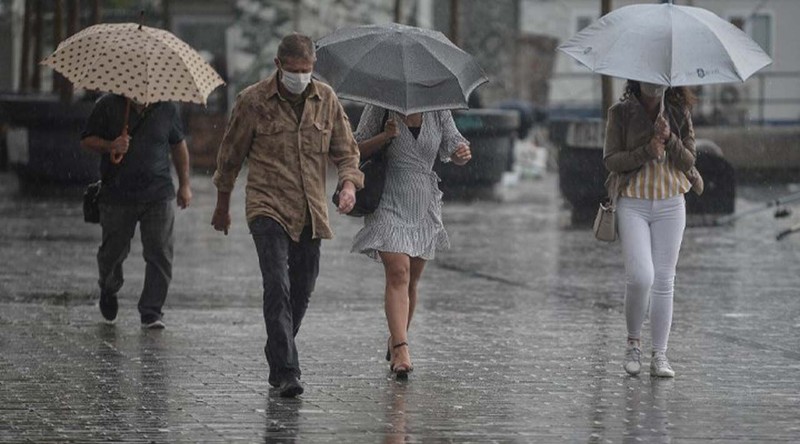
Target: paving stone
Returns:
[518, 336]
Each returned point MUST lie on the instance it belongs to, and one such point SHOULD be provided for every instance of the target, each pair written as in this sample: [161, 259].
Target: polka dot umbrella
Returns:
[141, 63]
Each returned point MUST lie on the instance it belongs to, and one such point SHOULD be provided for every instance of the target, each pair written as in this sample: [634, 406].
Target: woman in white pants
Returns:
[650, 153]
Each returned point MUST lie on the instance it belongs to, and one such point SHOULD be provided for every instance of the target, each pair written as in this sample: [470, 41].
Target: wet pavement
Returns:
[518, 336]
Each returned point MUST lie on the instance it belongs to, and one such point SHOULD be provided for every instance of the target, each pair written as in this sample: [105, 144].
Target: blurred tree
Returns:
[260, 25]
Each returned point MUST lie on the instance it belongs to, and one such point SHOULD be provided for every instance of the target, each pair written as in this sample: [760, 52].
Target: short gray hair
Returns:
[298, 46]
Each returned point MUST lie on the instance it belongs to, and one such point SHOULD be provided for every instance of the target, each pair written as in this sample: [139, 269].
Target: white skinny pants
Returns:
[651, 232]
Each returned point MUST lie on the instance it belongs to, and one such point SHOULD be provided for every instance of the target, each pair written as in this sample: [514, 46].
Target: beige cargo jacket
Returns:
[287, 157]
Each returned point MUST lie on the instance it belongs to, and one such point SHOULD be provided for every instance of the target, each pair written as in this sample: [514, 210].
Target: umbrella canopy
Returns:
[667, 45]
[145, 64]
[401, 68]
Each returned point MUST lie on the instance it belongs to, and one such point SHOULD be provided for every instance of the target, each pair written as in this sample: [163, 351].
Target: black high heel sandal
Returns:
[402, 370]
[389, 350]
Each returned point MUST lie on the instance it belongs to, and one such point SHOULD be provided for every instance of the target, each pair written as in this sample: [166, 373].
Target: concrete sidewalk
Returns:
[518, 337]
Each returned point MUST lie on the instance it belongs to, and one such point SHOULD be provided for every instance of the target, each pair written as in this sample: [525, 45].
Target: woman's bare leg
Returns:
[397, 267]
[417, 267]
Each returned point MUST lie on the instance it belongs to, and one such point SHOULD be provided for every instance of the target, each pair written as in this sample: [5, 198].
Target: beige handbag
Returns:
[605, 223]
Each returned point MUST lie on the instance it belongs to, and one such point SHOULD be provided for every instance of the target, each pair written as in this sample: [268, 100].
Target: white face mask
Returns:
[295, 82]
[652, 90]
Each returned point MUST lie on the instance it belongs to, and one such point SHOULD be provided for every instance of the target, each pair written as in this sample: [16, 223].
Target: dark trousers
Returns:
[289, 270]
[156, 221]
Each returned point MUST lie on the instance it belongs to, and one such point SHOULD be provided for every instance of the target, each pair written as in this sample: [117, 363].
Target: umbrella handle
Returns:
[116, 158]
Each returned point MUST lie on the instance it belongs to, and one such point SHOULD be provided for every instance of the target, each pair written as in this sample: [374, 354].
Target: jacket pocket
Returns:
[269, 129]
[320, 138]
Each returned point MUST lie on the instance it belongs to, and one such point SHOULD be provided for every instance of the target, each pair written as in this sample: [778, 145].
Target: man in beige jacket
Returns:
[288, 127]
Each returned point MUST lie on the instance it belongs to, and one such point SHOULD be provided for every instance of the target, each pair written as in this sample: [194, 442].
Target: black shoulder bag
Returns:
[374, 169]
[91, 197]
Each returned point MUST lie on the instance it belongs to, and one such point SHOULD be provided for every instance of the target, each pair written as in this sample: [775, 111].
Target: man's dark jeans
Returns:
[156, 222]
[289, 270]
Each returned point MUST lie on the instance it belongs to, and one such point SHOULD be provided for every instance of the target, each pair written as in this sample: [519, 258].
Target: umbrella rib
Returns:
[671, 8]
[433, 43]
[609, 48]
[408, 65]
[406, 68]
[100, 68]
[95, 58]
[721, 43]
[176, 55]
[469, 61]
[468, 90]
[375, 42]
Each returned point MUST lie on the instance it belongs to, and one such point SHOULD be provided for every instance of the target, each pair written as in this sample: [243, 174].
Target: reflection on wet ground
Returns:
[518, 337]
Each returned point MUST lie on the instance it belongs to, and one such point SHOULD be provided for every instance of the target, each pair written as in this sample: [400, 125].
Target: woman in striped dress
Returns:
[650, 154]
[406, 229]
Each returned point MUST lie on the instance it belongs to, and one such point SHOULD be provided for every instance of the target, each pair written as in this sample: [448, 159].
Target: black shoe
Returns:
[153, 323]
[109, 307]
[291, 387]
[273, 382]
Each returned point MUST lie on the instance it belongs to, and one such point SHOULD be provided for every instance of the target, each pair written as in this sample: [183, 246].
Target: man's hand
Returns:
[347, 197]
[119, 146]
[184, 196]
[221, 219]
[462, 155]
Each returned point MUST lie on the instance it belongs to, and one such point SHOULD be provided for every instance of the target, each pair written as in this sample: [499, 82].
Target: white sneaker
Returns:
[633, 360]
[659, 366]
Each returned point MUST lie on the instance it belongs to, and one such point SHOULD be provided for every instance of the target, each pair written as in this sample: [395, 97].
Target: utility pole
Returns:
[38, 23]
[96, 12]
[297, 10]
[58, 36]
[398, 11]
[166, 14]
[24, 67]
[73, 16]
[606, 81]
[454, 21]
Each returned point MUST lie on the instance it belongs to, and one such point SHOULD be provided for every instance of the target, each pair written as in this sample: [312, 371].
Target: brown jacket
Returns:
[287, 158]
[629, 130]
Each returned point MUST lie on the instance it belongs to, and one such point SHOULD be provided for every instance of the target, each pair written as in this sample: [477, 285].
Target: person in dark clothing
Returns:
[138, 189]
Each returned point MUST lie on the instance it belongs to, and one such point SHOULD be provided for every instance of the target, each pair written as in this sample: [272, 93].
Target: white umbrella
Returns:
[667, 44]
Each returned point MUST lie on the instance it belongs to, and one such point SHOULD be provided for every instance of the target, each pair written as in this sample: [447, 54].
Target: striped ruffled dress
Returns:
[409, 217]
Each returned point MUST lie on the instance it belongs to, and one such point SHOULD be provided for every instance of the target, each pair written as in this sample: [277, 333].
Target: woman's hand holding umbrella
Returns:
[658, 142]
[662, 128]
[391, 130]
[656, 147]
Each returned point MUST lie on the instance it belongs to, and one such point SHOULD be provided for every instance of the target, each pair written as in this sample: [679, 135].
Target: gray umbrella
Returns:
[397, 67]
